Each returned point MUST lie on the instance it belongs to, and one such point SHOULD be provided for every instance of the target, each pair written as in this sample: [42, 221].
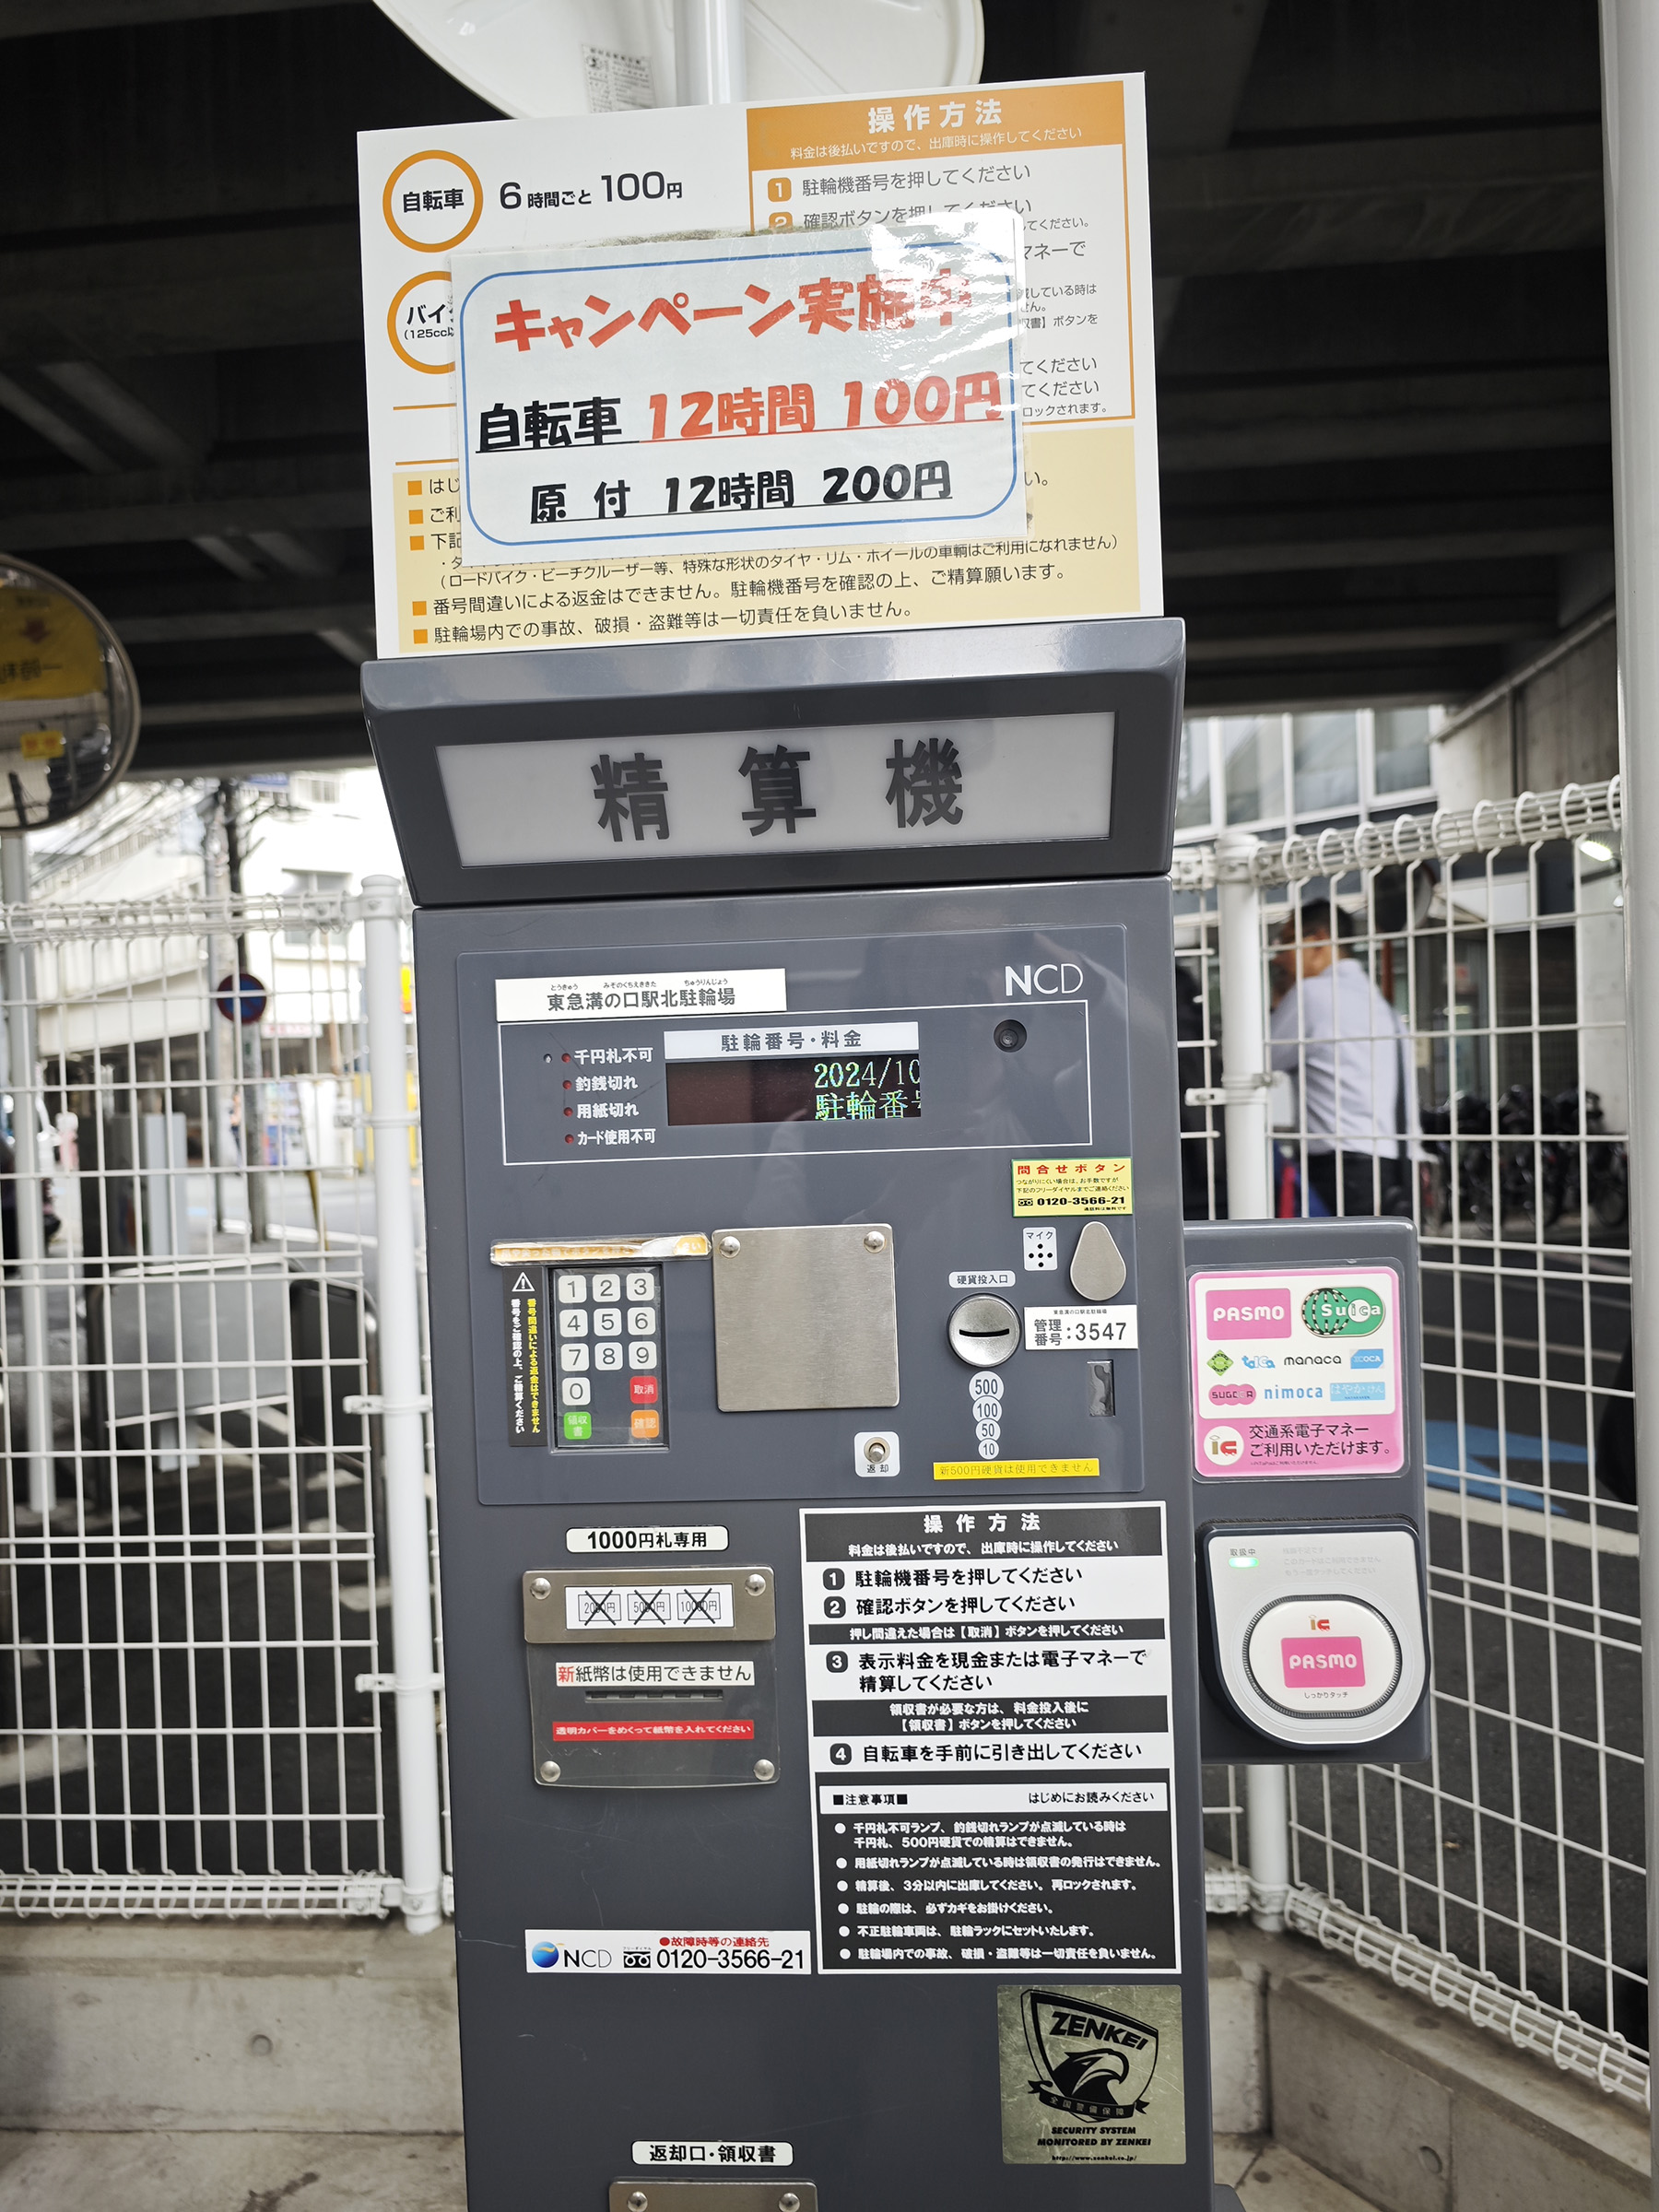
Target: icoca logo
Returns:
[1048, 979]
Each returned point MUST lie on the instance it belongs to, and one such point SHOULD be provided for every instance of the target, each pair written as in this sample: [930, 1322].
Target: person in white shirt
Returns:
[1333, 1030]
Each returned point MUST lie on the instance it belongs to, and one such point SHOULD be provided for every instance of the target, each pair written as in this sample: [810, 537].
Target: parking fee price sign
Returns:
[990, 1738]
[793, 389]
[1070, 156]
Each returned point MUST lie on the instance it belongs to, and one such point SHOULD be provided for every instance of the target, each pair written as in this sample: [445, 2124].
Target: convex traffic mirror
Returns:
[68, 699]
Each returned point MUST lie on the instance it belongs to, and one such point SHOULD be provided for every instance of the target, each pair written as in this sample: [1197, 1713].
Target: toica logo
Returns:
[1355, 1312]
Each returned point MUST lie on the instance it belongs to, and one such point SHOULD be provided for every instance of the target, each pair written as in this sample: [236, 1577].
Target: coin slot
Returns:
[983, 1331]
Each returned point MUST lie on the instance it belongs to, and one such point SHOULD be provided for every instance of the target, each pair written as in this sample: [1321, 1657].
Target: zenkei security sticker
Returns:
[1091, 2076]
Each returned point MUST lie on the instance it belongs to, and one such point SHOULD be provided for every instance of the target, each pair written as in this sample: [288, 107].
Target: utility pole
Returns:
[249, 1045]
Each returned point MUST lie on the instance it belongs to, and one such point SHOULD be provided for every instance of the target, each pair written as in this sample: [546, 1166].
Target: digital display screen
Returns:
[845, 1087]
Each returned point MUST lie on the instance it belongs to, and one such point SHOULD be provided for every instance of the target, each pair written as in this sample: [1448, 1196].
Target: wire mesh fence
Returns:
[194, 1646]
[1446, 1041]
[193, 1613]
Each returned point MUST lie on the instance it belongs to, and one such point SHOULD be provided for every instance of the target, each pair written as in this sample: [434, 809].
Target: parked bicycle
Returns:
[1540, 1159]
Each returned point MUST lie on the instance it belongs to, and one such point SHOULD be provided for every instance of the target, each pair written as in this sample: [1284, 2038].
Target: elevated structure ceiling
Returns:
[1383, 360]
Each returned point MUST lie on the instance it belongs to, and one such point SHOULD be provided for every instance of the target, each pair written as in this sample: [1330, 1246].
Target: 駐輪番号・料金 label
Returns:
[1295, 1370]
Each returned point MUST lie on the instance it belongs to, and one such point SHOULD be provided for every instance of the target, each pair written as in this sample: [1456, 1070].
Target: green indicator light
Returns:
[1239, 1561]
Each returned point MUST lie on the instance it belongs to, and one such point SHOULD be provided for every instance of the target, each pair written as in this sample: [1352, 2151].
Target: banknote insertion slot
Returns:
[652, 1677]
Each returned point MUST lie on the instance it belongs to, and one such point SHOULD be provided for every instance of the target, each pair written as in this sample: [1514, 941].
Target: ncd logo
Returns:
[1047, 979]
[573, 1957]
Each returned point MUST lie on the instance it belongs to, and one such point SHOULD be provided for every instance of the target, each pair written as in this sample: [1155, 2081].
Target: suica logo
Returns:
[1049, 979]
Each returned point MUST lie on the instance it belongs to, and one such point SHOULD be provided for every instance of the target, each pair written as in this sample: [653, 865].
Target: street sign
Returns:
[241, 998]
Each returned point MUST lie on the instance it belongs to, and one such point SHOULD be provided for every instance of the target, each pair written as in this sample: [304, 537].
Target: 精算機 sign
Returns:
[790, 389]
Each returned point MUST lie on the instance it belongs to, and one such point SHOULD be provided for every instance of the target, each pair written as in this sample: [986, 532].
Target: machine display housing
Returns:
[1122, 678]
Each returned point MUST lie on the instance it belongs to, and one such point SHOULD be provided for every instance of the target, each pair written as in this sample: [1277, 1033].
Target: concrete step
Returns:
[317, 2027]
[1268, 2178]
[240, 2173]
[220, 2064]
[167, 2172]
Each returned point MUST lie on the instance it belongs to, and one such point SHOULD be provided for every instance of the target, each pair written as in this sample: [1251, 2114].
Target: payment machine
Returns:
[862, 1504]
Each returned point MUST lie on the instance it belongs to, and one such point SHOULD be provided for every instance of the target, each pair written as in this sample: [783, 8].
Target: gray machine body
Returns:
[858, 1464]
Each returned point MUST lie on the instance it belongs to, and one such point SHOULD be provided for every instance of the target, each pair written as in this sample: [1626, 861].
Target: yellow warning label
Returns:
[1015, 1470]
[42, 745]
[1072, 1186]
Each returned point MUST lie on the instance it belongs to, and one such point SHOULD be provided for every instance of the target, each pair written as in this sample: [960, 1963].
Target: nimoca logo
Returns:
[1090, 2061]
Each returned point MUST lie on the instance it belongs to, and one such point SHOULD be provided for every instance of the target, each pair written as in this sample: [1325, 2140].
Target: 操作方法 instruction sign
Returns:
[990, 1745]
[1078, 536]
[799, 388]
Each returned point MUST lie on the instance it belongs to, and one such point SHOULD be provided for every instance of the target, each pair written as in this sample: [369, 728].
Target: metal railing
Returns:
[216, 1552]
[1506, 1878]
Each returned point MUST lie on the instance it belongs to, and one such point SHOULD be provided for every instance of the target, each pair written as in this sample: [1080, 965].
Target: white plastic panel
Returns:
[1319, 1630]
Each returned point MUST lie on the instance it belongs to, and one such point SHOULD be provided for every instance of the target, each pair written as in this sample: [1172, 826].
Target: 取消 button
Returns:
[645, 1424]
[642, 1389]
[641, 1355]
[575, 1390]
